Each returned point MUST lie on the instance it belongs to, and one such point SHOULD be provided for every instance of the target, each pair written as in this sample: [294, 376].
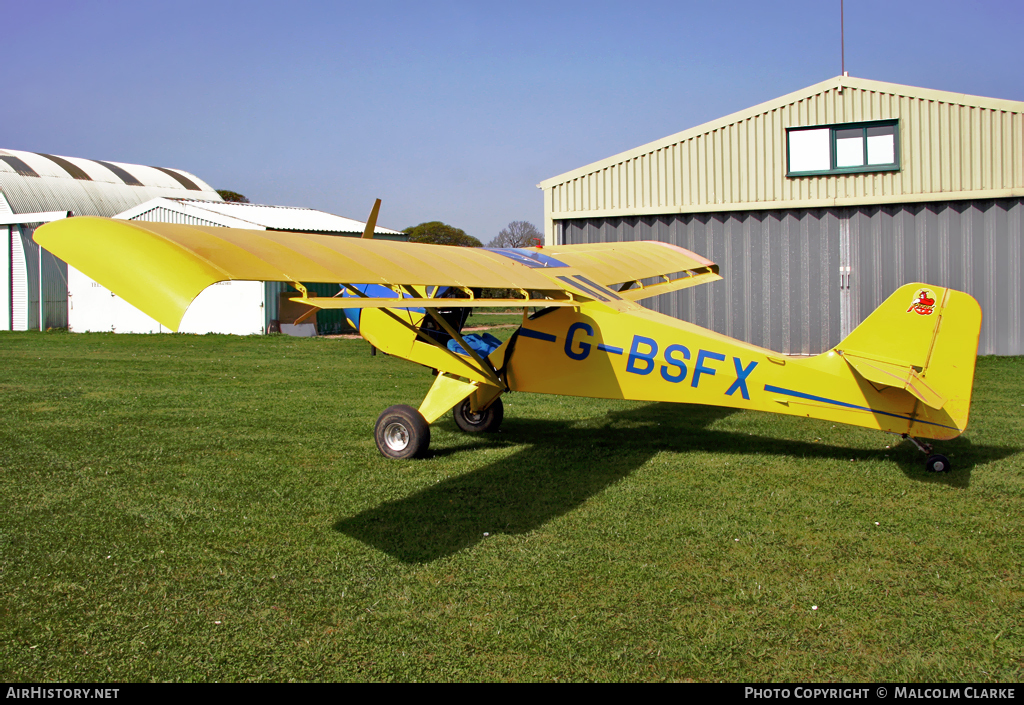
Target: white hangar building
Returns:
[39, 291]
[819, 204]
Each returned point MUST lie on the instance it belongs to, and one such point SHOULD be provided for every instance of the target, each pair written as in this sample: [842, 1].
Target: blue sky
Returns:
[449, 111]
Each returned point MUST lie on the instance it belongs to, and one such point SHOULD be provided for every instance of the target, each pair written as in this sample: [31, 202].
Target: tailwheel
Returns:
[486, 421]
[402, 432]
[937, 463]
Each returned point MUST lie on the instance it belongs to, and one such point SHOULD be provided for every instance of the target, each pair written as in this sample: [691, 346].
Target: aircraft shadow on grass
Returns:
[565, 465]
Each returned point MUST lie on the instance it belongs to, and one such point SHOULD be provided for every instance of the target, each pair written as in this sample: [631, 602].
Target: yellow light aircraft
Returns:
[907, 369]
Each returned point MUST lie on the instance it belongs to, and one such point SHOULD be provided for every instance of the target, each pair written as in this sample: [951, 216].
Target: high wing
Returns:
[161, 267]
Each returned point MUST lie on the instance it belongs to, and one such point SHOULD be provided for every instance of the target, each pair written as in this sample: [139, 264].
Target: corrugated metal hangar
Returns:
[818, 205]
[40, 291]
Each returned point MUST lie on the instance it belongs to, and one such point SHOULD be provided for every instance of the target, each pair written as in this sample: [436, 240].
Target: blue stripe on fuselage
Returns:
[527, 333]
[812, 397]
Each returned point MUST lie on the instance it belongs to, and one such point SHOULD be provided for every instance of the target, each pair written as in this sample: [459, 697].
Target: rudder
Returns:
[923, 339]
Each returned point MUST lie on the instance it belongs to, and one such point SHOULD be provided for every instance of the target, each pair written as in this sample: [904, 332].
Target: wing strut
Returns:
[483, 369]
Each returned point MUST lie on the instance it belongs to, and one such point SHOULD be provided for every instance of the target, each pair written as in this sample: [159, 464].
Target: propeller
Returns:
[371, 222]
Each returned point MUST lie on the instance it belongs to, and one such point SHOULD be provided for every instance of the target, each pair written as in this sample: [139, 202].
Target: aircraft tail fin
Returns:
[923, 339]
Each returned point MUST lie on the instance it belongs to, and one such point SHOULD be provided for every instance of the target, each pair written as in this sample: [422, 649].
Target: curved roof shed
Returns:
[33, 182]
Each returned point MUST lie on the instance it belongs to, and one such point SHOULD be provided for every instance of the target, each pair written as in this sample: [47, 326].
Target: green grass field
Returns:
[201, 508]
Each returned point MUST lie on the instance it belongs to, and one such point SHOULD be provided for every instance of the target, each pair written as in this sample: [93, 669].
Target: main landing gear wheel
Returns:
[486, 421]
[402, 432]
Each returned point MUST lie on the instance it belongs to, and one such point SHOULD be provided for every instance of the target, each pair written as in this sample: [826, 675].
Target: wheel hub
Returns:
[396, 436]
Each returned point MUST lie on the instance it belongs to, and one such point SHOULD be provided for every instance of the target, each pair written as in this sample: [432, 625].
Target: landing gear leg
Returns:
[935, 462]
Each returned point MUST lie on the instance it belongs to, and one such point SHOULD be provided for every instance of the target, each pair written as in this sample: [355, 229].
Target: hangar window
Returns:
[843, 149]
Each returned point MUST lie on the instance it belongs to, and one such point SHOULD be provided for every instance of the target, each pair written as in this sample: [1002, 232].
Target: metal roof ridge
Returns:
[256, 205]
[223, 215]
[935, 94]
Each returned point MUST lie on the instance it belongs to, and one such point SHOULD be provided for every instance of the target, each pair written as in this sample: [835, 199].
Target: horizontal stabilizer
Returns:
[894, 375]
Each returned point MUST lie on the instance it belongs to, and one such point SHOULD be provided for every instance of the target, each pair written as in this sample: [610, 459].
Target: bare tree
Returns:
[518, 233]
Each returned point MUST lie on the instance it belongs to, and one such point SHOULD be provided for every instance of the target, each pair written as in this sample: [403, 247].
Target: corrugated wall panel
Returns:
[780, 267]
[5, 278]
[19, 285]
[55, 291]
[973, 246]
[30, 252]
[779, 288]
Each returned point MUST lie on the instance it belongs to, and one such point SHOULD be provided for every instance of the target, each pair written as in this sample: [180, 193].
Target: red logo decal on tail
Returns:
[923, 303]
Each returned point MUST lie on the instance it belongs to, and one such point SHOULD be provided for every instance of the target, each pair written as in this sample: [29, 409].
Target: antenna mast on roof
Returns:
[842, 37]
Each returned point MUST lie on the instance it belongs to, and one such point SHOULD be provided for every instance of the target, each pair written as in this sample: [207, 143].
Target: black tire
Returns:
[402, 432]
[487, 421]
[937, 463]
